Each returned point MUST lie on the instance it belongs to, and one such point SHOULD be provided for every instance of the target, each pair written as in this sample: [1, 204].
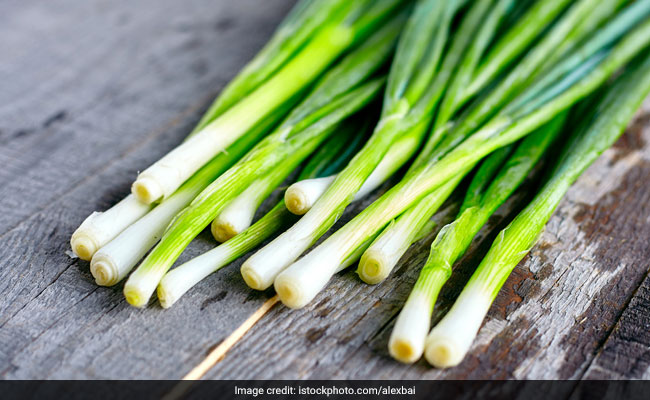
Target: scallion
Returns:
[180, 279]
[302, 195]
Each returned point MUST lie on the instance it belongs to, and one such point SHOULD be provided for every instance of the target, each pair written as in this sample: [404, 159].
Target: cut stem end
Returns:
[223, 231]
[134, 297]
[147, 190]
[289, 293]
[296, 202]
[104, 272]
[165, 300]
[404, 351]
[83, 245]
[253, 279]
[443, 353]
[372, 268]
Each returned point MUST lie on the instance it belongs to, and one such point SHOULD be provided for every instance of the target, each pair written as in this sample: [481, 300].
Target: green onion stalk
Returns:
[382, 256]
[409, 95]
[339, 32]
[113, 261]
[563, 31]
[494, 182]
[340, 93]
[305, 19]
[450, 340]
[325, 160]
[100, 227]
[302, 195]
[302, 281]
[239, 213]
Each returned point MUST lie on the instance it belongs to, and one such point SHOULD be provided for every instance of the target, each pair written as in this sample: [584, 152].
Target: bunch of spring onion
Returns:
[345, 89]
[602, 55]
[411, 95]
[484, 83]
[313, 35]
[449, 341]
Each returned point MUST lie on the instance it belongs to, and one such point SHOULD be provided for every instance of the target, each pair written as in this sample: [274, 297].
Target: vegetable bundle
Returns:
[342, 97]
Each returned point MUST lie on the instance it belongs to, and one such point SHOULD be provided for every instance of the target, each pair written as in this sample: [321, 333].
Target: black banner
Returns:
[253, 390]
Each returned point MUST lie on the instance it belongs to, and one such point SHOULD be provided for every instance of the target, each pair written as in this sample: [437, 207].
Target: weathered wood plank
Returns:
[555, 311]
[626, 353]
[54, 322]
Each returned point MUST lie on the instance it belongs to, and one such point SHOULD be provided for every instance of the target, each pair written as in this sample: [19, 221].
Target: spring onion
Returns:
[100, 227]
[301, 196]
[383, 254]
[450, 340]
[179, 280]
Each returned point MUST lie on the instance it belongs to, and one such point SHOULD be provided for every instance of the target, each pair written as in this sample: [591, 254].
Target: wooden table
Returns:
[93, 91]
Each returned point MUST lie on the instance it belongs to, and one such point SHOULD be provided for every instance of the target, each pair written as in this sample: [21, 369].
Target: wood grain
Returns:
[54, 322]
[100, 89]
[626, 353]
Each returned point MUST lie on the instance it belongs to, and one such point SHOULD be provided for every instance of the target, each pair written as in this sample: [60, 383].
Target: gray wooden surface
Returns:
[94, 91]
